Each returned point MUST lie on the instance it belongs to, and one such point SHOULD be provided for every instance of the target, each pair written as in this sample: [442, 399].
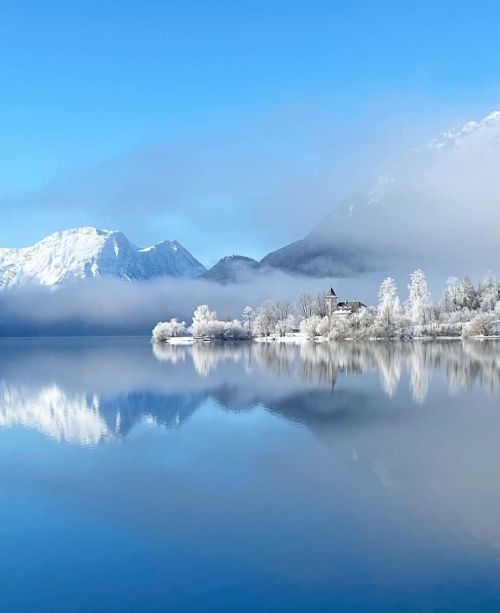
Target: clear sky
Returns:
[230, 126]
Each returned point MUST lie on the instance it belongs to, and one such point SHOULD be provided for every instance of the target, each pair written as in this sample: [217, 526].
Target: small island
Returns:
[464, 311]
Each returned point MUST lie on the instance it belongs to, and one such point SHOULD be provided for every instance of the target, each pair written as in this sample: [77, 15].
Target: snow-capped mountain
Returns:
[83, 253]
[480, 133]
[437, 207]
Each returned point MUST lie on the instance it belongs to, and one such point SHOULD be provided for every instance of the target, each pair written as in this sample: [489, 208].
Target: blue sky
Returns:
[231, 126]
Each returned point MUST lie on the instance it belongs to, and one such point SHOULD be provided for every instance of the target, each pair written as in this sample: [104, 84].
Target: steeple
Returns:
[330, 301]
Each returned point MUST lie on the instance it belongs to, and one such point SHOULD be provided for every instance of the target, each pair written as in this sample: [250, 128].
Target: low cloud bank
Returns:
[117, 307]
[108, 306]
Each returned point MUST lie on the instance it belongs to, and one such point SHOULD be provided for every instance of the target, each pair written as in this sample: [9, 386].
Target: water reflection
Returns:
[317, 477]
[319, 363]
[91, 391]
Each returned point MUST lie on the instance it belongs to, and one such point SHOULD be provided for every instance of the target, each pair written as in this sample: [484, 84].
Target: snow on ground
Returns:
[181, 340]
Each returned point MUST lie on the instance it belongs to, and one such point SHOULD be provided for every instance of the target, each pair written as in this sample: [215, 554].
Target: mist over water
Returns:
[113, 306]
[249, 476]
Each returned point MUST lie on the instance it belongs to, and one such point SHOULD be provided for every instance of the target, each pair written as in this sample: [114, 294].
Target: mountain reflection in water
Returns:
[249, 477]
[92, 390]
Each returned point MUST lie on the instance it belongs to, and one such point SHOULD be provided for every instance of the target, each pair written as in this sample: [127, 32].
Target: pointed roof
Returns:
[331, 292]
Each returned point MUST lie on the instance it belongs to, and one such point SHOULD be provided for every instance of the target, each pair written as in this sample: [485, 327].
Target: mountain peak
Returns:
[231, 269]
[88, 252]
[449, 191]
[472, 133]
[81, 231]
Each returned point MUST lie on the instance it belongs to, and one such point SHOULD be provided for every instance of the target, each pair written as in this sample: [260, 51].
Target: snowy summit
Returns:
[83, 253]
[474, 133]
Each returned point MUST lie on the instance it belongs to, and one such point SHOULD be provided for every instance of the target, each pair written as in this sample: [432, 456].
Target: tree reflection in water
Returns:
[463, 363]
[86, 391]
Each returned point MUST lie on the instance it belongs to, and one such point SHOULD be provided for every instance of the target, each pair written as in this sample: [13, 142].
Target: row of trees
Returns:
[462, 310]
[205, 325]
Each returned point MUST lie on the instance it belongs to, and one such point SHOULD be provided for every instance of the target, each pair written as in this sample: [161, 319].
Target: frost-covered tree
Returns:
[488, 293]
[467, 298]
[273, 318]
[311, 304]
[418, 305]
[482, 324]
[203, 319]
[305, 306]
[283, 326]
[247, 316]
[206, 325]
[324, 325]
[235, 330]
[309, 326]
[264, 320]
[389, 306]
[165, 330]
[451, 296]
[280, 310]
[340, 328]
[260, 326]
[361, 323]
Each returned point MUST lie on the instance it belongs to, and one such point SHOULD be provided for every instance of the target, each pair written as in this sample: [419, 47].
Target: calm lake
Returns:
[249, 477]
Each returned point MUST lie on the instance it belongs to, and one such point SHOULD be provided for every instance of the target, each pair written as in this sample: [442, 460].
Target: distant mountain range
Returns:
[84, 253]
[437, 203]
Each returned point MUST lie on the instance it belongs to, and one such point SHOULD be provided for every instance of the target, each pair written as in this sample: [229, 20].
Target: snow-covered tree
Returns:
[488, 293]
[323, 327]
[235, 330]
[389, 306]
[482, 324]
[309, 326]
[273, 318]
[247, 316]
[418, 305]
[340, 327]
[260, 325]
[311, 304]
[280, 310]
[467, 298]
[165, 330]
[361, 323]
[283, 326]
[451, 296]
[264, 320]
[203, 317]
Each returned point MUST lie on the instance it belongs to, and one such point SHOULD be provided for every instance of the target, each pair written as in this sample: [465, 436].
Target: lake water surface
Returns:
[249, 477]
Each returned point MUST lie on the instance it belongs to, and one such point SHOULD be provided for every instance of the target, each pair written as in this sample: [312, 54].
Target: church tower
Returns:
[331, 302]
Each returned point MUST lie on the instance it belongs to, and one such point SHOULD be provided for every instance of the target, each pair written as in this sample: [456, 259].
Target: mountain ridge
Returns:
[367, 231]
[376, 227]
[88, 252]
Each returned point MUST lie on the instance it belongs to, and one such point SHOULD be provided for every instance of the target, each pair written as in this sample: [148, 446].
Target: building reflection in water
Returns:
[88, 393]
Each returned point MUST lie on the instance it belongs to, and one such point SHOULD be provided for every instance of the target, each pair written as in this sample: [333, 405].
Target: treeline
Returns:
[462, 310]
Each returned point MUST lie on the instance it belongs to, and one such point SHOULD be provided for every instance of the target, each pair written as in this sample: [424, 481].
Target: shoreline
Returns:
[299, 339]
